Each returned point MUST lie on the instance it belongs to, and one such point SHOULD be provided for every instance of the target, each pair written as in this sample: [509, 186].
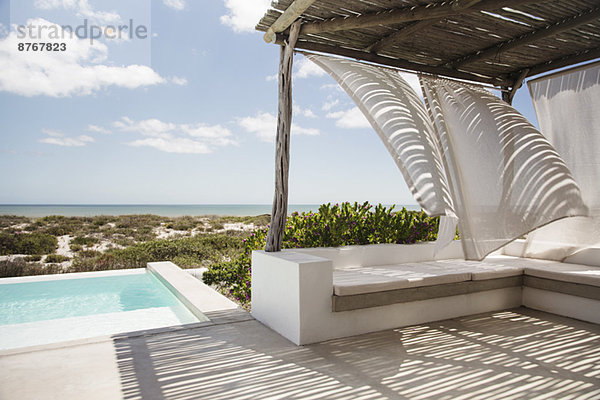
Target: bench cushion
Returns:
[482, 270]
[356, 280]
[349, 281]
[574, 273]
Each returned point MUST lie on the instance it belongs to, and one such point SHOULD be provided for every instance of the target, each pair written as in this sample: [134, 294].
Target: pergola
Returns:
[497, 42]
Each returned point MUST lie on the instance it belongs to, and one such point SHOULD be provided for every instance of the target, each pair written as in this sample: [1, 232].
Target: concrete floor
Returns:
[516, 354]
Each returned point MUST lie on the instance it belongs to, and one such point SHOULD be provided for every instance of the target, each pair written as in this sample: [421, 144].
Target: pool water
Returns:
[47, 311]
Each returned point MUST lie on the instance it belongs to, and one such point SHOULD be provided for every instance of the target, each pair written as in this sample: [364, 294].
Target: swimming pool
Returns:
[42, 310]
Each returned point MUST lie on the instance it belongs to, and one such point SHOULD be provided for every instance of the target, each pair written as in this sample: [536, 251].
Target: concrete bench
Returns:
[356, 287]
[311, 295]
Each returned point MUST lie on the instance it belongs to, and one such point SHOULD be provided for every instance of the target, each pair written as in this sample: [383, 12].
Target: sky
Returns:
[173, 102]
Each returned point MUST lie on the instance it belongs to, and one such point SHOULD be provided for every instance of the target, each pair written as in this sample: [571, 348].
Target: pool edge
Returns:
[198, 297]
[71, 275]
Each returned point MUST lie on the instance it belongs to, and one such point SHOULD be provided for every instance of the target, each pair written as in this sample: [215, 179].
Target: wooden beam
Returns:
[407, 14]
[390, 17]
[561, 62]
[396, 62]
[399, 36]
[287, 18]
[282, 143]
[565, 61]
[529, 37]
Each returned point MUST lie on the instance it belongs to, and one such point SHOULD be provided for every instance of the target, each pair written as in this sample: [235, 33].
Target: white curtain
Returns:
[400, 119]
[567, 105]
[505, 177]
[466, 154]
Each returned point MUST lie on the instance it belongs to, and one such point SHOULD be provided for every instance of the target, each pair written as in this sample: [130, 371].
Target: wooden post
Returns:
[518, 83]
[282, 142]
[506, 94]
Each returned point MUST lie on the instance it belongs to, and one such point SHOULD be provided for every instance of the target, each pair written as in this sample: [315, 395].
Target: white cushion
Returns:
[482, 270]
[574, 273]
[367, 279]
[357, 280]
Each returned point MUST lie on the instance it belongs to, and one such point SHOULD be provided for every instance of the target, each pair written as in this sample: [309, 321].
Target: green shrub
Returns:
[216, 225]
[102, 220]
[21, 268]
[27, 243]
[84, 240]
[124, 241]
[58, 225]
[10, 220]
[75, 247]
[33, 258]
[186, 223]
[332, 226]
[136, 221]
[56, 258]
[89, 253]
[200, 250]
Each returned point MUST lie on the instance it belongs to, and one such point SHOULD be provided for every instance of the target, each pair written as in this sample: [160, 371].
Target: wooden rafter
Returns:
[529, 37]
[287, 18]
[390, 17]
[561, 62]
[402, 15]
[461, 24]
[395, 62]
[400, 35]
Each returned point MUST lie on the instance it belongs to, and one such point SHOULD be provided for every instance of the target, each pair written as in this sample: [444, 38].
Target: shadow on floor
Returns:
[517, 354]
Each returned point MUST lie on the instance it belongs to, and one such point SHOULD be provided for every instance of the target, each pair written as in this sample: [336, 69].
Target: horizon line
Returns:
[177, 204]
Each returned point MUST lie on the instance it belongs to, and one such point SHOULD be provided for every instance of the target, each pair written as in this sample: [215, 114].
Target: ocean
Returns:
[166, 210]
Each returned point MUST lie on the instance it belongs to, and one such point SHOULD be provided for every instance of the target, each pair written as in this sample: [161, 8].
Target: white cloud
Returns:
[350, 119]
[175, 4]
[271, 78]
[65, 73]
[98, 129]
[60, 139]
[264, 126]
[150, 127]
[243, 15]
[305, 112]
[179, 81]
[53, 133]
[331, 86]
[173, 145]
[297, 130]
[82, 8]
[328, 105]
[306, 68]
[177, 138]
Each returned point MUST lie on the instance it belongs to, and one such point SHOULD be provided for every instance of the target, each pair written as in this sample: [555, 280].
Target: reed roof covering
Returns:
[493, 41]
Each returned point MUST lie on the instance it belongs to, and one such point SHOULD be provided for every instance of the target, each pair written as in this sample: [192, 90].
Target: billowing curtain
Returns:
[567, 105]
[506, 179]
[400, 119]
[466, 154]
